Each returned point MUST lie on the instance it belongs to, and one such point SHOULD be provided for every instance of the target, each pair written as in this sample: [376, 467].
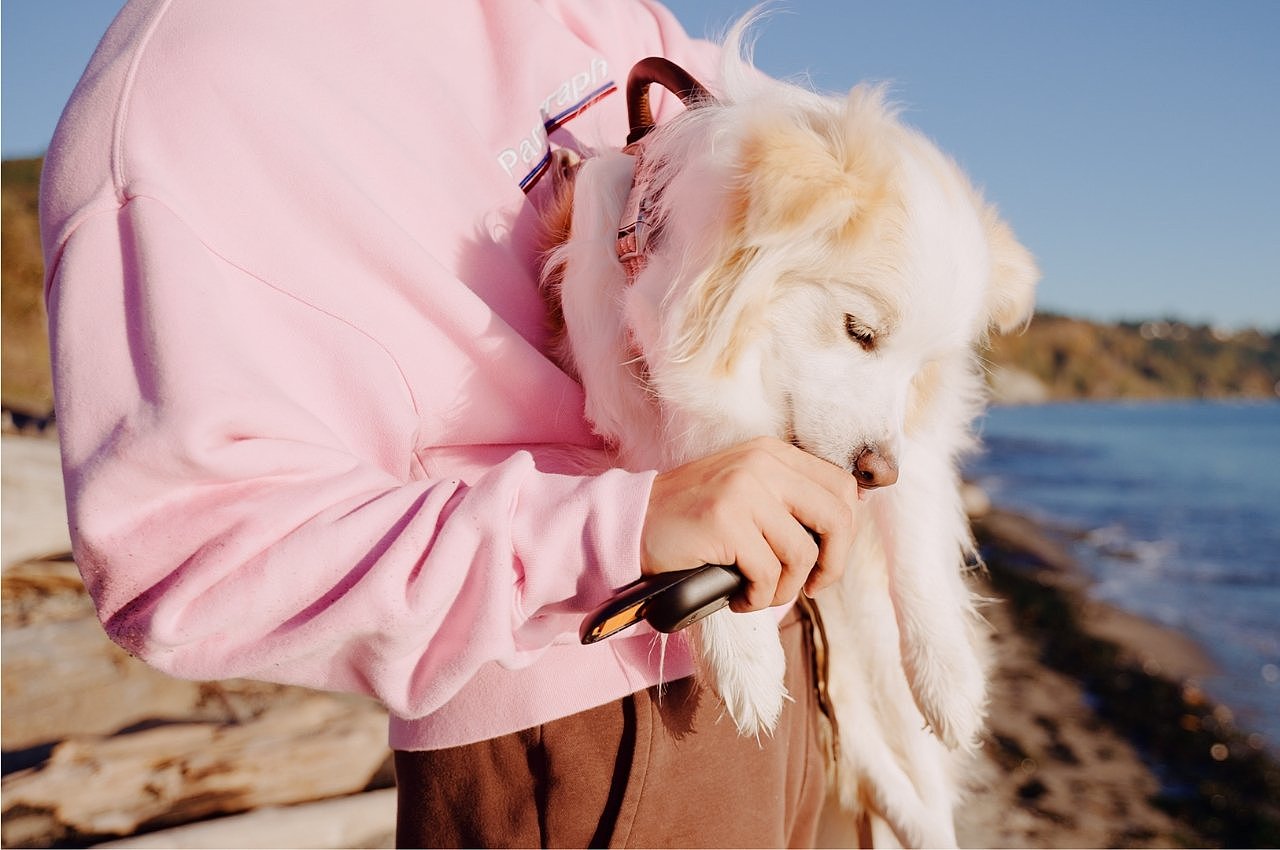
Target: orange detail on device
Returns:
[667, 601]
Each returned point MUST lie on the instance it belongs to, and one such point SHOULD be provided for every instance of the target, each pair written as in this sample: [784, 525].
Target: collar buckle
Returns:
[636, 226]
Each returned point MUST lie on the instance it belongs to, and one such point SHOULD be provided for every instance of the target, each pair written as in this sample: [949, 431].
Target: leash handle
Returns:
[671, 77]
[668, 601]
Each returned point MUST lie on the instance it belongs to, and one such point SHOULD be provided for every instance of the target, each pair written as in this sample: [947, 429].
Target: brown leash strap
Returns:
[671, 77]
[821, 674]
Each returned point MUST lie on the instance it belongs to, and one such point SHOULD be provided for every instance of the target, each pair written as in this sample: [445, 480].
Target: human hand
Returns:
[751, 505]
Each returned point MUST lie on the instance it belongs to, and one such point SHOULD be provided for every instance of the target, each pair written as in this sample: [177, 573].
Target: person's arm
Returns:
[244, 496]
[249, 495]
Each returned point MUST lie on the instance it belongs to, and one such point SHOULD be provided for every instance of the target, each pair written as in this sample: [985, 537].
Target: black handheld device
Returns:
[667, 601]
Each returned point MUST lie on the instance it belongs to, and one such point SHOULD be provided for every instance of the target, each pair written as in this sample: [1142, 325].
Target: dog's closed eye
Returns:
[859, 333]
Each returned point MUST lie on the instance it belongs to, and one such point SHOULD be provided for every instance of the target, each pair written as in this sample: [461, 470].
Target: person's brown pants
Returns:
[645, 771]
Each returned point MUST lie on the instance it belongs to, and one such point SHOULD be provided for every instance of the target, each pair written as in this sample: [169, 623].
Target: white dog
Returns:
[807, 267]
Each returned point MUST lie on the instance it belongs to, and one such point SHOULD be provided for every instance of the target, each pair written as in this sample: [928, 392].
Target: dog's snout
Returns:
[874, 469]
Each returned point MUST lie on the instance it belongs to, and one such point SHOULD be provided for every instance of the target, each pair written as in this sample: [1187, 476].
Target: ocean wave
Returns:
[1114, 541]
[1195, 545]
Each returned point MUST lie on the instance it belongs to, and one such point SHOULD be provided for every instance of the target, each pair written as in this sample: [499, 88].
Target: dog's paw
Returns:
[949, 687]
[741, 659]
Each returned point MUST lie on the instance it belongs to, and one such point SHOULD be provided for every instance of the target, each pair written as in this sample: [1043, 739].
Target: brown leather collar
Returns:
[635, 229]
[636, 226]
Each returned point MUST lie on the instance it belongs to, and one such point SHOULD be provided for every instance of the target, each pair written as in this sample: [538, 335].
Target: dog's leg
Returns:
[743, 662]
[927, 536]
[889, 766]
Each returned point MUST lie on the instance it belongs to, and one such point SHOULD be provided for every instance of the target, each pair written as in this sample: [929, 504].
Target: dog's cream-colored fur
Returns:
[824, 275]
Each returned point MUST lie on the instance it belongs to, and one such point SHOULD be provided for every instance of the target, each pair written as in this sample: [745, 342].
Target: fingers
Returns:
[832, 520]
[752, 506]
[786, 558]
[820, 497]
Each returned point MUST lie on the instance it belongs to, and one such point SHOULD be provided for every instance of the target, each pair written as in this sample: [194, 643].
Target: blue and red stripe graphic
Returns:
[554, 122]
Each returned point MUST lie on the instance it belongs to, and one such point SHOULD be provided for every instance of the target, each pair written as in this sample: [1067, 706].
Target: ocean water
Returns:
[1175, 512]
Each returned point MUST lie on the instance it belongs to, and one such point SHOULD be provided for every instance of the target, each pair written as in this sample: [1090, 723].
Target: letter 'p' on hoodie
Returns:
[310, 431]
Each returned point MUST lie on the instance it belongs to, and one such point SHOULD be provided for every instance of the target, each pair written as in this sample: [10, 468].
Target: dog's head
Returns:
[820, 272]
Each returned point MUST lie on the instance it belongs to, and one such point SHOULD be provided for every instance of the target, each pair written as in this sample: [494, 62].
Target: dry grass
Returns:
[27, 385]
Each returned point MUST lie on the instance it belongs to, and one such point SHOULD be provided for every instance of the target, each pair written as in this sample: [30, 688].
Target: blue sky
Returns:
[1131, 143]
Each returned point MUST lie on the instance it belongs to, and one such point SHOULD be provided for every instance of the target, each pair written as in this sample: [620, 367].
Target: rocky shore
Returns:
[1099, 733]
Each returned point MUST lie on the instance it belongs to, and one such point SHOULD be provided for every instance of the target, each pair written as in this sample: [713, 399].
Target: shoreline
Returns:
[1216, 783]
[1043, 548]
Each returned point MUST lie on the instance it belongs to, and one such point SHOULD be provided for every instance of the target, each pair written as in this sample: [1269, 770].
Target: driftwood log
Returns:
[66, 678]
[98, 745]
[308, 747]
[360, 820]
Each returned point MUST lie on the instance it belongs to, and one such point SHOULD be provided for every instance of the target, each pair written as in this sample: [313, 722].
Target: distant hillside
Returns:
[1075, 359]
[1056, 358]
[25, 366]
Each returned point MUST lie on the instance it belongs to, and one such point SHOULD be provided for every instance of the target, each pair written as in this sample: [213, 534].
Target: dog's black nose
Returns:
[873, 469]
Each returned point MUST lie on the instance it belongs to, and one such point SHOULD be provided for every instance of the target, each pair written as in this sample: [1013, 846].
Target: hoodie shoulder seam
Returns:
[118, 177]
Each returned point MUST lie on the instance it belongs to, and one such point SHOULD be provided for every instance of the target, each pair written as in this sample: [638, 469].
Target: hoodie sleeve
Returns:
[244, 502]
[263, 479]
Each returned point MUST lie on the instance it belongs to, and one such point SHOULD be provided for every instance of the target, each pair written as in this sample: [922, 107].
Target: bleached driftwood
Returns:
[43, 590]
[306, 747]
[64, 678]
[34, 520]
[360, 820]
[130, 748]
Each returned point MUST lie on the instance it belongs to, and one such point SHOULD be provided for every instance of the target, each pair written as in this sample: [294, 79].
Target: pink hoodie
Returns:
[309, 428]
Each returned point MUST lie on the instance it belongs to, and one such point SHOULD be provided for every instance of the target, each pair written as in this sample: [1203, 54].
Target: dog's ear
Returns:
[1011, 293]
[820, 174]
[791, 181]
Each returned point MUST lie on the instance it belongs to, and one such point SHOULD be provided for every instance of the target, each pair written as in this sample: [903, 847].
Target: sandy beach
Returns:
[1099, 734]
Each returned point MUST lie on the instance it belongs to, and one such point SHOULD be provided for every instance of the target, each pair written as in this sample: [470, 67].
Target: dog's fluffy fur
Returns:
[823, 275]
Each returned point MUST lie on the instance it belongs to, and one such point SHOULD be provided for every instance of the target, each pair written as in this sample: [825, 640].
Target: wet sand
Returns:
[1099, 734]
